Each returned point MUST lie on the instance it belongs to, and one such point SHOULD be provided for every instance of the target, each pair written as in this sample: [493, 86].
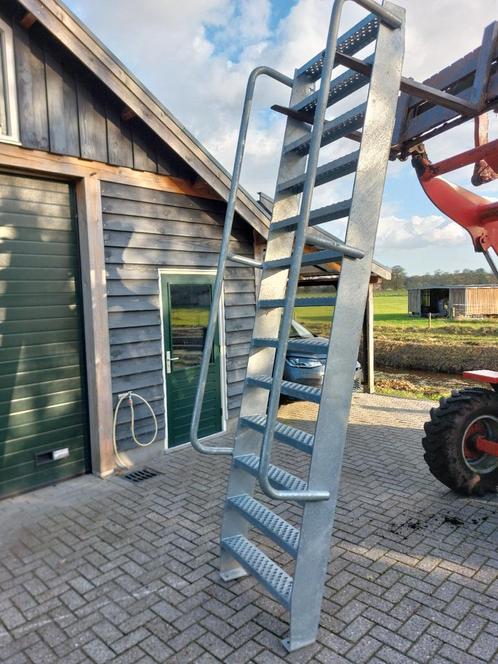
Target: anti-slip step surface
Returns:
[279, 477]
[300, 440]
[267, 522]
[257, 563]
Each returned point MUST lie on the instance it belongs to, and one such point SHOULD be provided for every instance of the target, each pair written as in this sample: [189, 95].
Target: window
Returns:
[9, 122]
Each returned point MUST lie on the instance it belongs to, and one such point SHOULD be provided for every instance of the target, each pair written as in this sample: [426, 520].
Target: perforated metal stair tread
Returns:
[318, 216]
[309, 345]
[257, 563]
[279, 477]
[333, 130]
[340, 87]
[295, 390]
[300, 440]
[352, 41]
[267, 522]
[300, 302]
[313, 258]
[327, 173]
[313, 344]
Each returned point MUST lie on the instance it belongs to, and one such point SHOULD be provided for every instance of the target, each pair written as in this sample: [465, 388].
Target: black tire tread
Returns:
[442, 441]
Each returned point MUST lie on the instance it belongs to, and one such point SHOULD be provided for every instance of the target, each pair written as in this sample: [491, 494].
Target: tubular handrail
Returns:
[384, 15]
[223, 257]
[308, 495]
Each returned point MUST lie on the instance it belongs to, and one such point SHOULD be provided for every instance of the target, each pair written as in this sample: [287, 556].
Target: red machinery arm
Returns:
[476, 214]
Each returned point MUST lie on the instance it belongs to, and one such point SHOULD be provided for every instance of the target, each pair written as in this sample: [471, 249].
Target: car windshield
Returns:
[299, 331]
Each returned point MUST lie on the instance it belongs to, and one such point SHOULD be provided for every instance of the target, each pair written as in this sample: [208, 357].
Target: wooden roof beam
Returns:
[127, 114]
[28, 20]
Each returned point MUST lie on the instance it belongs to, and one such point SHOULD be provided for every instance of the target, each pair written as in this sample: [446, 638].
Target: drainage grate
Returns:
[137, 476]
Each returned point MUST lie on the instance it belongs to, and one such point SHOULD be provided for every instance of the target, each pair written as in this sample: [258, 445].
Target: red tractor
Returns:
[461, 438]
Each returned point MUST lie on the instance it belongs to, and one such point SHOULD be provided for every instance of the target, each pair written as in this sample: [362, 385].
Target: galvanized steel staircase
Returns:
[307, 131]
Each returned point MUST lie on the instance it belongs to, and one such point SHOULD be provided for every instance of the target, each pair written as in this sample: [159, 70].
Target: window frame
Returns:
[7, 62]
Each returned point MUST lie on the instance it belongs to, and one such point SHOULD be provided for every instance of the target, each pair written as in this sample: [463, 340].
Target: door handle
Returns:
[169, 360]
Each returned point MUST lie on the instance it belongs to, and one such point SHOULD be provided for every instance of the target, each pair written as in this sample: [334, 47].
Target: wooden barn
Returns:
[476, 301]
[111, 220]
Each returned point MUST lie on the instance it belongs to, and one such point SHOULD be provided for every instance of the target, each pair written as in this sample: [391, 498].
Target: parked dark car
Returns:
[308, 367]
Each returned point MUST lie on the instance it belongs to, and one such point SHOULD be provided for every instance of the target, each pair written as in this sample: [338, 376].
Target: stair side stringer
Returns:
[330, 434]
[266, 325]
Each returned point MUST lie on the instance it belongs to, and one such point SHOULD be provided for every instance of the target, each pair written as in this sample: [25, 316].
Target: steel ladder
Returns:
[307, 131]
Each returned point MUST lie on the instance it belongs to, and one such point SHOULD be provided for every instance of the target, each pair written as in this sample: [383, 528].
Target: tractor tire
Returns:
[448, 441]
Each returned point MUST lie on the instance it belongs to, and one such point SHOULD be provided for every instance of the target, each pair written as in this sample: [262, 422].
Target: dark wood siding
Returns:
[64, 109]
[145, 230]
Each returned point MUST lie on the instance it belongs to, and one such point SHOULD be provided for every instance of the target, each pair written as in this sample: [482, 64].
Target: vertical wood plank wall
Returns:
[64, 109]
[145, 230]
[481, 301]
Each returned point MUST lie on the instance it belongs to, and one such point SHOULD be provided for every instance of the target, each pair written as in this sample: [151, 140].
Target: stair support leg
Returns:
[330, 434]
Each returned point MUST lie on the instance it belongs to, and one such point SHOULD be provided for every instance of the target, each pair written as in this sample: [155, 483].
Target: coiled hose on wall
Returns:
[130, 395]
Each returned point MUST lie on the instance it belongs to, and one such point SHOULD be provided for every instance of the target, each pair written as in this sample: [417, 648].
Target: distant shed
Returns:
[454, 301]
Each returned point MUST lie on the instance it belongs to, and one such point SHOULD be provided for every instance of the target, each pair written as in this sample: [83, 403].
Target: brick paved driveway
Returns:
[98, 571]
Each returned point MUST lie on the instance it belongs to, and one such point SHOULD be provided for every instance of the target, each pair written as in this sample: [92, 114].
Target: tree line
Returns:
[400, 280]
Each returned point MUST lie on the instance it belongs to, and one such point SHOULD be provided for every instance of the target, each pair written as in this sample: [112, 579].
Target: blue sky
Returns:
[196, 61]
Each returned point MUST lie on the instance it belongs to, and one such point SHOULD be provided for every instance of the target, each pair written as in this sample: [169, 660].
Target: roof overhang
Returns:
[84, 45]
[67, 29]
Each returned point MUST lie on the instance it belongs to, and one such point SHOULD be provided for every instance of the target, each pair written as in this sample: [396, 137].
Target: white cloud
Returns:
[419, 232]
[196, 56]
[203, 81]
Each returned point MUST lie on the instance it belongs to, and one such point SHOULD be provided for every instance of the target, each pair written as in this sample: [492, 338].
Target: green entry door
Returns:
[43, 408]
[186, 304]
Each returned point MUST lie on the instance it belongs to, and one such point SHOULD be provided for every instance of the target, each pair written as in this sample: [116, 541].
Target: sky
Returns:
[195, 56]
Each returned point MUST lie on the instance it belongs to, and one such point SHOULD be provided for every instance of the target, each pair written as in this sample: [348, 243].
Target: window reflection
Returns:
[189, 315]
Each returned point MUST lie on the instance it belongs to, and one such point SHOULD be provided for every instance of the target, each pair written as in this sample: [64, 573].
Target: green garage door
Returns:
[43, 411]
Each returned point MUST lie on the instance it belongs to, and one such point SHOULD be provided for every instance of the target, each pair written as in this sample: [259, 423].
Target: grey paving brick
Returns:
[217, 626]
[52, 634]
[247, 632]
[457, 656]
[105, 571]
[471, 625]
[190, 653]
[388, 655]
[448, 636]
[98, 651]
[214, 645]
[414, 627]
[156, 648]
[81, 585]
[390, 639]
[131, 656]
[186, 637]
[12, 618]
[425, 648]
[357, 629]
[191, 617]
[485, 647]
[129, 640]
[364, 649]
[41, 653]
[334, 643]
[107, 631]
[351, 610]
[20, 658]
[245, 654]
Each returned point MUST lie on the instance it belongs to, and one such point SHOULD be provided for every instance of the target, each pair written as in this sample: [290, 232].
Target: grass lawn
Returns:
[393, 321]
[405, 343]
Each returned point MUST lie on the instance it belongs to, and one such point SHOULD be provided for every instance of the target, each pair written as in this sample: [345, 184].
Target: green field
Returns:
[391, 315]
[405, 344]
